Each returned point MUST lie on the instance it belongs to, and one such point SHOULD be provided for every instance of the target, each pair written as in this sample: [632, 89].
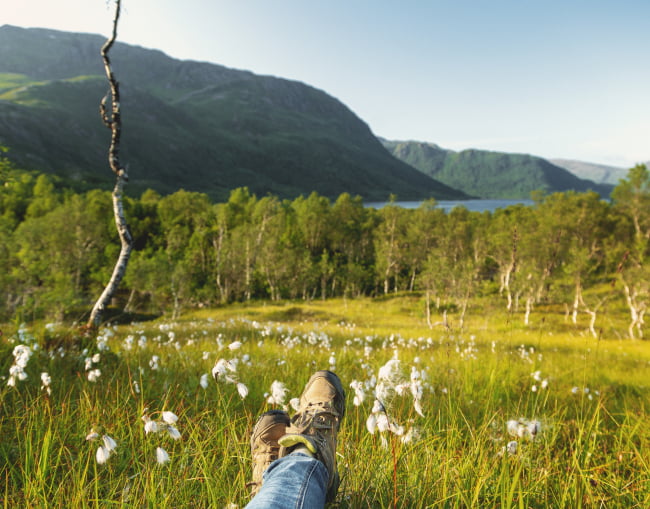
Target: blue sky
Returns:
[555, 78]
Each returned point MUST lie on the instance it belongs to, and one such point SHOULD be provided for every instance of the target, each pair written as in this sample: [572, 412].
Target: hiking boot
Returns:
[270, 426]
[316, 424]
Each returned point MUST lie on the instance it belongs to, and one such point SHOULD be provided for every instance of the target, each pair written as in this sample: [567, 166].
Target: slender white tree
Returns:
[113, 121]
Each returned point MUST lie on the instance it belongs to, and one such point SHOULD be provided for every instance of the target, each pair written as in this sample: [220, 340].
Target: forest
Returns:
[572, 250]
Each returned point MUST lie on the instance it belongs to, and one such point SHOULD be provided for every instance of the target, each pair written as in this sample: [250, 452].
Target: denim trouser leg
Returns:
[295, 481]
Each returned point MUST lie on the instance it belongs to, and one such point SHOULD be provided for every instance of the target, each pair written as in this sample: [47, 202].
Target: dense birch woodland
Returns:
[571, 250]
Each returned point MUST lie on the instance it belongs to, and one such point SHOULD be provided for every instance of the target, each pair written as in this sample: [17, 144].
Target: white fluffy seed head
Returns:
[169, 417]
[161, 456]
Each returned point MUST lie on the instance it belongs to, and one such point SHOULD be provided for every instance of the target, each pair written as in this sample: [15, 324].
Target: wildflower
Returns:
[45, 382]
[103, 451]
[93, 435]
[128, 342]
[242, 390]
[221, 368]
[278, 393]
[533, 427]
[153, 363]
[512, 447]
[93, 375]
[411, 436]
[382, 423]
[295, 403]
[389, 381]
[416, 390]
[102, 455]
[16, 371]
[161, 456]
[96, 358]
[204, 381]
[109, 443]
[417, 406]
[21, 354]
[523, 428]
[390, 370]
[169, 417]
[149, 425]
[235, 345]
[173, 432]
[359, 392]
[371, 423]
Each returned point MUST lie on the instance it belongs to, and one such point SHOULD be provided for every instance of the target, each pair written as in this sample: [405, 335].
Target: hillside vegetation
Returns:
[487, 174]
[187, 125]
[59, 247]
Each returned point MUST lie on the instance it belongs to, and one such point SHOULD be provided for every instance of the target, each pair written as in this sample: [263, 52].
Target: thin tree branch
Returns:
[114, 121]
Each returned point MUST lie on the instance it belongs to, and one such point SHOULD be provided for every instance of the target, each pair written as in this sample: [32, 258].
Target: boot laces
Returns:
[321, 415]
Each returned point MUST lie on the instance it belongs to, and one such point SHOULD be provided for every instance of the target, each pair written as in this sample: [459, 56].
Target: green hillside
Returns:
[190, 125]
[491, 174]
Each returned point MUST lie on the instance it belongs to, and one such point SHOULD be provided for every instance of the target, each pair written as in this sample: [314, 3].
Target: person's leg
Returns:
[314, 427]
[265, 449]
[294, 481]
[294, 462]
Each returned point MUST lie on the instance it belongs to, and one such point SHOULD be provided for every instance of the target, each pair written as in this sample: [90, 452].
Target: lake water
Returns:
[471, 205]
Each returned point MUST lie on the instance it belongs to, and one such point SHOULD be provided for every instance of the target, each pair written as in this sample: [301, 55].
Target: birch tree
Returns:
[113, 121]
[632, 197]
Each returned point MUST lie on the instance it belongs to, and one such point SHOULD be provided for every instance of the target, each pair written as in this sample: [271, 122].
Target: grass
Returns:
[591, 451]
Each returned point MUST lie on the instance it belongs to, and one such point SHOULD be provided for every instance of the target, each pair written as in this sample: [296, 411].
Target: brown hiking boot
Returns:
[317, 422]
[270, 426]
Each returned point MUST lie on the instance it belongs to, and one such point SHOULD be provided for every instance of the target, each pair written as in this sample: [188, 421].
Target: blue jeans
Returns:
[295, 481]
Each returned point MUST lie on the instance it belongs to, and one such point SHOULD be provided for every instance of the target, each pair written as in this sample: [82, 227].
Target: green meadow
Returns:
[507, 414]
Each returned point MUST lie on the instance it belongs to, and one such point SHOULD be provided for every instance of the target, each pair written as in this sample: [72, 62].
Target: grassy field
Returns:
[496, 415]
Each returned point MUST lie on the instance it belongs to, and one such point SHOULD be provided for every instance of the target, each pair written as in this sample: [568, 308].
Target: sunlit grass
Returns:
[591, 451]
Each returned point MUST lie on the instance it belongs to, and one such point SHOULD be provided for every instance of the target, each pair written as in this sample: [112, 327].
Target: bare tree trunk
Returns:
[592, 323]
[114, 123]
[576, 302]
[463, 311]
[637, 312]
[129, 302]
[247, 270]
[529, 308]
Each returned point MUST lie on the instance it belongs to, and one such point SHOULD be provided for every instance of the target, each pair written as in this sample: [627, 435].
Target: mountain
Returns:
[192, 125]
[599, 173]
[490, 174]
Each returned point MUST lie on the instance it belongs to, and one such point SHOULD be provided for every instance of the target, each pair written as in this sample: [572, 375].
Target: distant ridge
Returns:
[489, 174]
[197, 126]
[599, 173]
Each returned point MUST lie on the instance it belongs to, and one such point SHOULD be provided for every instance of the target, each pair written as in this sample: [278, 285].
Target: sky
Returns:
[554, 78]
